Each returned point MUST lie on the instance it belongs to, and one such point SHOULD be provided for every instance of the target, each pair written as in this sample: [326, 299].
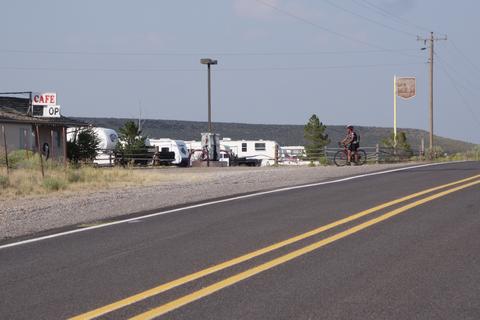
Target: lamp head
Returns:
[208, 61]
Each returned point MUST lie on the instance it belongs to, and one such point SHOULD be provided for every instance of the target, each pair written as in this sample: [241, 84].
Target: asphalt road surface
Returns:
[399, 245]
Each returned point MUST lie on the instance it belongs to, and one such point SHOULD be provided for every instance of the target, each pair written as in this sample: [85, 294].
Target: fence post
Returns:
[39, 150]
[276, 155]
[52, 150]
[64, 138]
[5, 147]
[377, 153]
[26, 143]
[422, 149]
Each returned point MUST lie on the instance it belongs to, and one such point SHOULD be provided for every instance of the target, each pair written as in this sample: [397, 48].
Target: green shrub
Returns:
[53, 184]
[323, 161]
[22, 159]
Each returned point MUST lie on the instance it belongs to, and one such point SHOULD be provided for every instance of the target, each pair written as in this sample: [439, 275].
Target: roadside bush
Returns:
[323, 161]
[54, 184]
[20, 159]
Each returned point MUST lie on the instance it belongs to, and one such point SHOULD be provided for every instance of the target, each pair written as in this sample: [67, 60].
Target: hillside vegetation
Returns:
[284, 134]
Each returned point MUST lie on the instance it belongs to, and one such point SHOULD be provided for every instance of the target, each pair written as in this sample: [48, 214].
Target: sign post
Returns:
[405, 88]
[395, 111]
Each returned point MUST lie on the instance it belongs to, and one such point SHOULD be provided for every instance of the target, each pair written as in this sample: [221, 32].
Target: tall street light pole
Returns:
[209, 62]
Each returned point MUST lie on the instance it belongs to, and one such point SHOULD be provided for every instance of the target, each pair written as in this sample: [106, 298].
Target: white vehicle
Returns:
[169, 145]
[193, 145]
[108, 141]
[252, 152]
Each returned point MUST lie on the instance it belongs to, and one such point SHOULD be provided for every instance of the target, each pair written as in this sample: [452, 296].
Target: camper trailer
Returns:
[108, 141]
[252, 152]
[165, 145]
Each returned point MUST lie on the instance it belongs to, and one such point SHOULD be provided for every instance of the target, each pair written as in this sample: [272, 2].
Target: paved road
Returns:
[413, 258]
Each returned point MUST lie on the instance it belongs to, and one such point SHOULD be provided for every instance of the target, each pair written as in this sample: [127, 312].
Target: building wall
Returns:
[23, 136]
[19, 136]
[53, 137]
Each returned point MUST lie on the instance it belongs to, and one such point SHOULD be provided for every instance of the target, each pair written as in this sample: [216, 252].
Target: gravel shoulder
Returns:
[21, 217]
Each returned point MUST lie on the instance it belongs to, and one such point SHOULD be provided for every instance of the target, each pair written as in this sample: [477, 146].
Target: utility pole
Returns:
[431, 42]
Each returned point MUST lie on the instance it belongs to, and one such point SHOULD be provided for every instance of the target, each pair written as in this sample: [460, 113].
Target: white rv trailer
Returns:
[252, 152]
[169, 145]
[108, 141]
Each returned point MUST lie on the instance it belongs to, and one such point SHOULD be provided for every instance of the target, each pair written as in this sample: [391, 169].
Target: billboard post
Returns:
[405, 88]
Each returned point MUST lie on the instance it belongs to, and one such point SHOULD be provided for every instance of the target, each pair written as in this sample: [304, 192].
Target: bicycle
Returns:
[341, 157]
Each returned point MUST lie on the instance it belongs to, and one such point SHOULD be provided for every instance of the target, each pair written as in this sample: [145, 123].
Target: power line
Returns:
[388, 14]
[449, 65]
[325, 29]
[369, 20]
[271, 53]
[467, 59]
[463, 99]
[273, 68]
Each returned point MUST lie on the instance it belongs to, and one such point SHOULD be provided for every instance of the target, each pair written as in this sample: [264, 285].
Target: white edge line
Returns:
[107, 224]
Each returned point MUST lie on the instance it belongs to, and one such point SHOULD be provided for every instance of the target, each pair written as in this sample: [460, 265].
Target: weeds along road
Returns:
[399, 245]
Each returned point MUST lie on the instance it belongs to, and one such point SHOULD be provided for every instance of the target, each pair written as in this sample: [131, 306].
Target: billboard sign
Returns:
[406, 87]
[44, 99]
[51, 111]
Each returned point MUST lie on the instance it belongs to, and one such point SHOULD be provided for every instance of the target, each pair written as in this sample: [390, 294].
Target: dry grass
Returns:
[25, 179]
[29, 182]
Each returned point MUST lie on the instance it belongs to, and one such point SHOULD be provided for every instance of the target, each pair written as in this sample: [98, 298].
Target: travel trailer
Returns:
[108, 141]
[252, 152]
[178, 147]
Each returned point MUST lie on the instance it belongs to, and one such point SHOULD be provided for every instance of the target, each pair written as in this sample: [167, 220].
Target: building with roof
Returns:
[24, 127]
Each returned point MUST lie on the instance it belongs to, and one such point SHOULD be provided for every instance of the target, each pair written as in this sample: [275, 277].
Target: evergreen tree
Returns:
[317, 139]
[84, 147]
[130, 138]
[402, 147]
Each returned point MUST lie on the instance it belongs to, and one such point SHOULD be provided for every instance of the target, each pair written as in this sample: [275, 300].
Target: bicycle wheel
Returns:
[362, 157]
[340, 158]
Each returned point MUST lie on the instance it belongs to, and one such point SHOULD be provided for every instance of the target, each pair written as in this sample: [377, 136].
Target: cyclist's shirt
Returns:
[355, 139]
[352, 138]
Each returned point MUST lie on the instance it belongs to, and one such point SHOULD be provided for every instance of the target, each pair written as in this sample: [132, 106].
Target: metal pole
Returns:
[209, 101]
[432, 40]
[39, 151]
[5, 146]
[395, 111]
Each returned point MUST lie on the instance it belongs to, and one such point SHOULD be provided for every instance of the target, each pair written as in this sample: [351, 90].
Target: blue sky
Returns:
[279, 60]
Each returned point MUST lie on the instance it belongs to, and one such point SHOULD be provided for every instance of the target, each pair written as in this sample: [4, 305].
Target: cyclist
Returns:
[352, 142]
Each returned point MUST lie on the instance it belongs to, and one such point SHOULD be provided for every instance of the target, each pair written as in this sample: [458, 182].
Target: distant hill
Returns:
[285, 135]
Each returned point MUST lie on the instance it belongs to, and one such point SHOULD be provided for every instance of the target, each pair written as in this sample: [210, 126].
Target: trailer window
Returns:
[244, 147]
[259, 146]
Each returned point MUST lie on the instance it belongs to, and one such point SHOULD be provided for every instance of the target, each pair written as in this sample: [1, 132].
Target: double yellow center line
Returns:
[460, 184]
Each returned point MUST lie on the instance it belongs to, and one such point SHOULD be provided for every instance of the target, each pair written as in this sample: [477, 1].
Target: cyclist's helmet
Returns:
[350, 127]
